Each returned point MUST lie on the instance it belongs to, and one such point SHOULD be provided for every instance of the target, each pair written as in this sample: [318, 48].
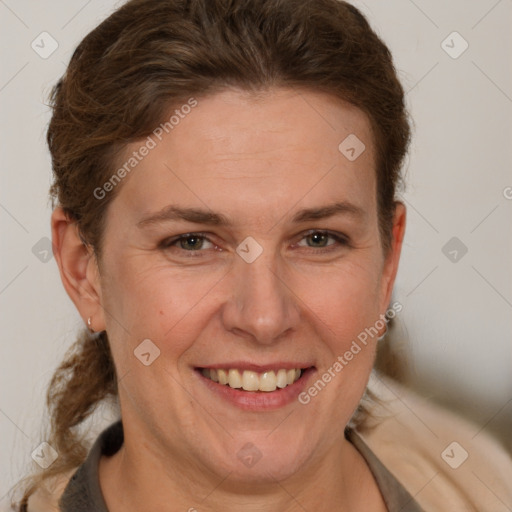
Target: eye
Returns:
[322, 239]
[189, 242]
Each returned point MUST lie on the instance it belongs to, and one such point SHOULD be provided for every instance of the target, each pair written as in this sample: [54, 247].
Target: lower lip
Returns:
[259, 400]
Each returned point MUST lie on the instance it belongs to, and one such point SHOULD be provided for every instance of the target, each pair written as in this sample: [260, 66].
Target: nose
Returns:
[262, 306]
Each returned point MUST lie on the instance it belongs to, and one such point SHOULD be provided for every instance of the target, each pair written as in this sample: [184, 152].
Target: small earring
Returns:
[380, 338]
[89, 324]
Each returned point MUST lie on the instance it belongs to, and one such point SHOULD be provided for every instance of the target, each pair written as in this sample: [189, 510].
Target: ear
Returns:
[78, 269]
[393, 256]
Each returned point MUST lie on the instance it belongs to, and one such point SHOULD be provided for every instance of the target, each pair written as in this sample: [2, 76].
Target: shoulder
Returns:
[85, 484]
[46, 498]
[444, 461]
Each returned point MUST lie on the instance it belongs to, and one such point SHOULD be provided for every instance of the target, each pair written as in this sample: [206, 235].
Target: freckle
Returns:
[161, 312]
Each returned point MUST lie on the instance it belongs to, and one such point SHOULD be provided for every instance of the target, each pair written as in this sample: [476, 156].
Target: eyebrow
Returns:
[199, 216]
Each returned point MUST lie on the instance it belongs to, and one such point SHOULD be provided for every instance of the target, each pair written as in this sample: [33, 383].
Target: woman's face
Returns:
[281, 269]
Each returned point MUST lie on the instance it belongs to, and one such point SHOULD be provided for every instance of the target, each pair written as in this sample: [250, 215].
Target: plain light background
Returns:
[457, 315]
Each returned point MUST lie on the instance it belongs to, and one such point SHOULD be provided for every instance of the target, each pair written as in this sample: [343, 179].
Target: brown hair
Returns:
[152, 55]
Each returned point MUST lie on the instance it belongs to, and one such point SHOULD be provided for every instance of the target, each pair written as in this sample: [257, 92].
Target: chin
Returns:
[261, 461]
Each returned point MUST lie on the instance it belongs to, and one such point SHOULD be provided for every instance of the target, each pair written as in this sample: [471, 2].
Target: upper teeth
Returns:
[253, 381]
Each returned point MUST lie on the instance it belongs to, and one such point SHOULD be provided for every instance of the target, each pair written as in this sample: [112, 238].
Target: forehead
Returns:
[236, 149]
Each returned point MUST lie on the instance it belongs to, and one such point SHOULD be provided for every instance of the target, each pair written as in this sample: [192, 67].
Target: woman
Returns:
[226, 225]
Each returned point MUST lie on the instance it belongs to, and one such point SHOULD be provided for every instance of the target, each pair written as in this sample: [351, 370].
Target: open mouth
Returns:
[246, 380]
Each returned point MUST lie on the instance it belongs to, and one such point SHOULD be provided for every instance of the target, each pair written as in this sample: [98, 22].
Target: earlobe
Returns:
[78, 268]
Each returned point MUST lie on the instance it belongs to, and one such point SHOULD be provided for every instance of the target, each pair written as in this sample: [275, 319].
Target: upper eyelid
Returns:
[167, 242]
[334, 234]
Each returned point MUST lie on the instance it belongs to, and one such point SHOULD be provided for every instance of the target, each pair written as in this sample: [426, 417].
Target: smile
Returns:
[247, 380]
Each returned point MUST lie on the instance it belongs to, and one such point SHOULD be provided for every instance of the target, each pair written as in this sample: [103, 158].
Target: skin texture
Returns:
[257, 161]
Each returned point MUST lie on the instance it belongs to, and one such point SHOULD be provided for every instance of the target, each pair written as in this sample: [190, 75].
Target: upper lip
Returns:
[259, 368]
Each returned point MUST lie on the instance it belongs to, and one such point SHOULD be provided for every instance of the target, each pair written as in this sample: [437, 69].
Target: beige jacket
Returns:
[446, 463]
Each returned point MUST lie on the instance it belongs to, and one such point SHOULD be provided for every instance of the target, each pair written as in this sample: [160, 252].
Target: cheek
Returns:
[157, 302]
[345, 311]
[344, 298]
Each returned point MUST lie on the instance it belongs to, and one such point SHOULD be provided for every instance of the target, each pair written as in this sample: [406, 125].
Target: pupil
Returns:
[193, 242]
[319, 237]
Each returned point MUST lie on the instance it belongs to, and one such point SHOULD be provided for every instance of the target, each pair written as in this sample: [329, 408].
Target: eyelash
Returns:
[340, 241]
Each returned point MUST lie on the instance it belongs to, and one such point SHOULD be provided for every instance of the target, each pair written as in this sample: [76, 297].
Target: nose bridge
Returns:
[262, 305]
